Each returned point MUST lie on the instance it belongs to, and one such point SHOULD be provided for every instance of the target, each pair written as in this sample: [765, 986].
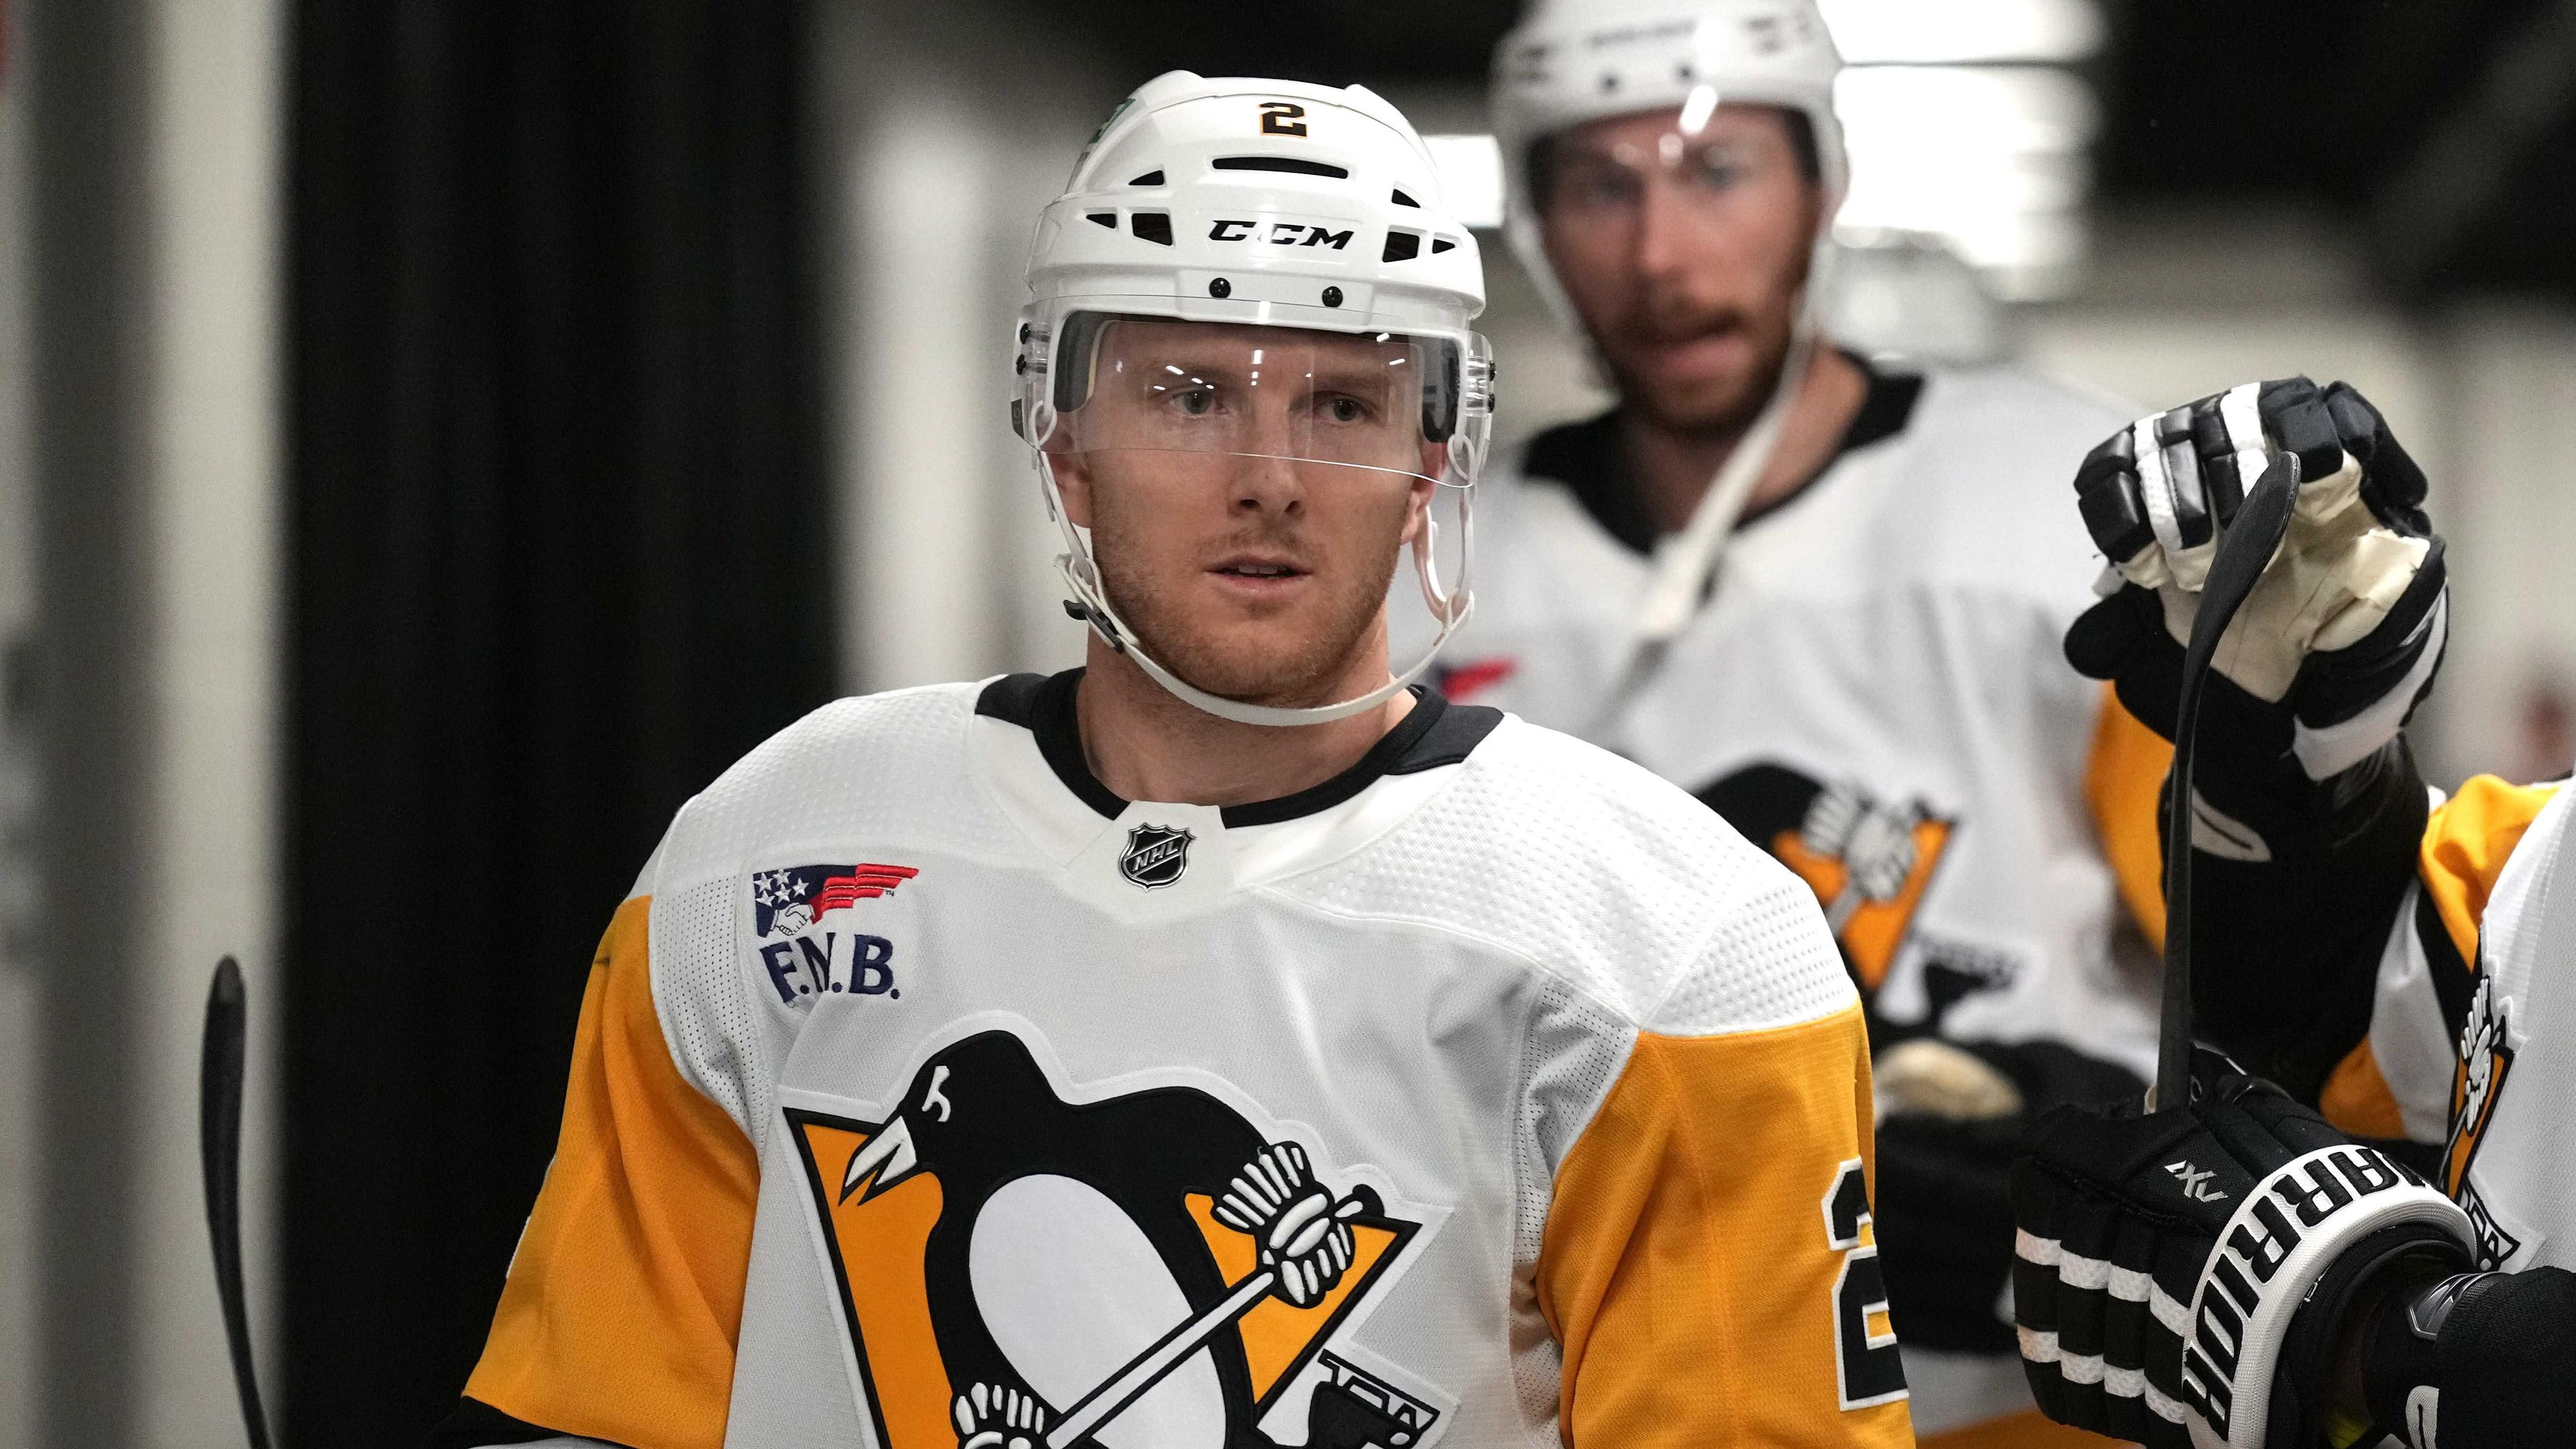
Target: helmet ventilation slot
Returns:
[1152, 226]
[1295, 164]
[1402, 246]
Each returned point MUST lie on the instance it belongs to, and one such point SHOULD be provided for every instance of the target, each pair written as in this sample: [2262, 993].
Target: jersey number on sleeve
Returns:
[1866, 1363]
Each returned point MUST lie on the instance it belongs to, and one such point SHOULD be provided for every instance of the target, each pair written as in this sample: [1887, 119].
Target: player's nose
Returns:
[1269, 480]
[1669, 239]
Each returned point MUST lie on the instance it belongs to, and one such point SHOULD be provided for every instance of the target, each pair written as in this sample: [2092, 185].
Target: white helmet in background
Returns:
[1572, 62]
[1269, 204]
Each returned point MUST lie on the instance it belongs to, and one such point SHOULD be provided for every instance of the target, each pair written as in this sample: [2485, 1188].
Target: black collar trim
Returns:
[1434, 734]
[1587, 460]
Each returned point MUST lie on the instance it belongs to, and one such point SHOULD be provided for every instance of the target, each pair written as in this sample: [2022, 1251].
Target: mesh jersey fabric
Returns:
[1002, 1056]
[1885, 644]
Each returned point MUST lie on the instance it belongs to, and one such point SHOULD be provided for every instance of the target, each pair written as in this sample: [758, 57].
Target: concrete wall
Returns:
[945, 130]
[147, 237]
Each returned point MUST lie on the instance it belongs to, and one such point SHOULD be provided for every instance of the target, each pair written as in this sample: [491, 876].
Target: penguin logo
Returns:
[1022, 1271]
[1868, 861]
[2487, 1040]
[1157, 856]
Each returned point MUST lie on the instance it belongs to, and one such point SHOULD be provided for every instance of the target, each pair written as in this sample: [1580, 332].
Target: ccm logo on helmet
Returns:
[1281, 233]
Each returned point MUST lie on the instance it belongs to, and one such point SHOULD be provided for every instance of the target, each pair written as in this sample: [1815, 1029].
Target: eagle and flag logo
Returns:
[786, 901]
[1018, 1265]
[804, 954]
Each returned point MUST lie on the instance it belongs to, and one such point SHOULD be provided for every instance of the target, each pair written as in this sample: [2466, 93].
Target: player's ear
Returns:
[1072, 481]
[1417, 505]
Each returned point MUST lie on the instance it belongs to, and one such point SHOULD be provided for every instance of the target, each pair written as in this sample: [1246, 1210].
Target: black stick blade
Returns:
[219, 1109]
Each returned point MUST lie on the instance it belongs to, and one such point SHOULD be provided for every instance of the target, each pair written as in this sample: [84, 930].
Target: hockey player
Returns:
[1825, 599]
[2237, 1271]
[1226, 1044]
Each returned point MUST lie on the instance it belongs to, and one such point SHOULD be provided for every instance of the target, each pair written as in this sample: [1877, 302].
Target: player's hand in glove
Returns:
[2181, 1276]
[1276, 1200]
[1951, 1119]
[2341, 636]
[990, 1416]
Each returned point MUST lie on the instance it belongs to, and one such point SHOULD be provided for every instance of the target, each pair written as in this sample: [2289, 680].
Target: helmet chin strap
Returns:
[1684, 562]
[1091, 602]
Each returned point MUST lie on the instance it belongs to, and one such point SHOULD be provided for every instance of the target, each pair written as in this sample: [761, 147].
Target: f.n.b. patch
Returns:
[807, 937]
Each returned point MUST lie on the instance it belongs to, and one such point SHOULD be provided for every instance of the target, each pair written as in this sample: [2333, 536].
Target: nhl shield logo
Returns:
[1157, 856]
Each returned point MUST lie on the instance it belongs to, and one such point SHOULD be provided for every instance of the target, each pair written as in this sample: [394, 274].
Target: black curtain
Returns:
[560, 550]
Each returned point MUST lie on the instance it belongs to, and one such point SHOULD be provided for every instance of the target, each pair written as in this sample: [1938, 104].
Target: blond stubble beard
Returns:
[1306, 678]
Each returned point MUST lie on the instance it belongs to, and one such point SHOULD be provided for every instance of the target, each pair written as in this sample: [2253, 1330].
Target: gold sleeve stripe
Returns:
[1688, 1267]
[2465, 846]
[2028, 1429]
[620, 1313]
[2357, 1098]
[2124, 782]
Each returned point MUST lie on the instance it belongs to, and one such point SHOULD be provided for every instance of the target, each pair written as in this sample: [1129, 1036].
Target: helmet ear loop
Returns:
[1448, 606]
[1075, 565]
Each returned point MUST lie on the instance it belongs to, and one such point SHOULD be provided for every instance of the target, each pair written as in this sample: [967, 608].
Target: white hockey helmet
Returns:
[1257, 204]
[1571, 62]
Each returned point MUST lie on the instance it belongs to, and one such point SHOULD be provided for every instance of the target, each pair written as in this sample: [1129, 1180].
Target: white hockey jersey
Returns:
[1876, 692]
[927, 1094]
[2472, 1040]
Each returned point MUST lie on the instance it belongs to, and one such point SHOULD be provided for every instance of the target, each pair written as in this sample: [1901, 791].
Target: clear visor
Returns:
[1381, 402]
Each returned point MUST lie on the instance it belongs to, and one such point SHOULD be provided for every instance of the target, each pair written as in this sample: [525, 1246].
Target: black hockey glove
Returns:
[2339, 640]
[2180, 1275]
[1951, 1120]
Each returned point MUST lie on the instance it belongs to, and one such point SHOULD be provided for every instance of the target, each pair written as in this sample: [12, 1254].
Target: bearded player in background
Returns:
[1826, 599]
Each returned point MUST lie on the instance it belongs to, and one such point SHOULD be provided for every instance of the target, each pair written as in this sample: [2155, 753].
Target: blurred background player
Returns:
[2240, 1270]
[1222, 1044]
[1826, 599]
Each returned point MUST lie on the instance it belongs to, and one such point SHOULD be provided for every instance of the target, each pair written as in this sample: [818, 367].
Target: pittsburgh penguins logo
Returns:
[1021, 1270]
[2477, 1083]
[1868, 860]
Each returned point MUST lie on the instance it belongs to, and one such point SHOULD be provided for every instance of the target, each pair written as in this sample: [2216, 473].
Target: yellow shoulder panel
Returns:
[2123, 782]
[1708, 1266]
[2465, 846]
[2357, 1098]
[622, 1306]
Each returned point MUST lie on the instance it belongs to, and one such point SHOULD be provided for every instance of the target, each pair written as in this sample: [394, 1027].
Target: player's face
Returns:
[1684, 256]
[1248, 490]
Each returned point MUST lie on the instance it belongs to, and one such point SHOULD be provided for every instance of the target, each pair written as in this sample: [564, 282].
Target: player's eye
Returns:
[1345, 409]
[1717, 169]
[1196, 402]
[1597, 186]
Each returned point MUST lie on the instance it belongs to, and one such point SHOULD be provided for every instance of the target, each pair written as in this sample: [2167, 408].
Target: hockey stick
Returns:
[219, 1106]
[1148, 1368]
[2252, 537]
